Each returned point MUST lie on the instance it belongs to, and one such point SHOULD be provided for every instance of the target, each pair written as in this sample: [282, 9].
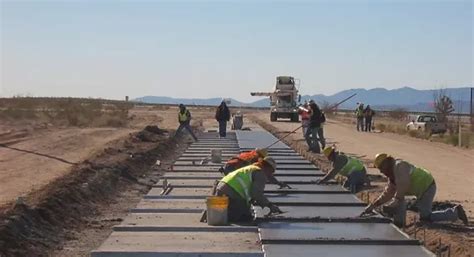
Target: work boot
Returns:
[461, 214]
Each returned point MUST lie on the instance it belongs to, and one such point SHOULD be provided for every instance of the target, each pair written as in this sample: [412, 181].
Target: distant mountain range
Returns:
[379, 98]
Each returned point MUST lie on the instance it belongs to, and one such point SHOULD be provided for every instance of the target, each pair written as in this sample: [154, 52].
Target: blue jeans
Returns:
[313, 137]
[185, 125]
[355, 181]
[222, 128]
[425, 205]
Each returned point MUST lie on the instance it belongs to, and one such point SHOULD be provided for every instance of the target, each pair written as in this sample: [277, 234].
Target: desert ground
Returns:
[39, 161]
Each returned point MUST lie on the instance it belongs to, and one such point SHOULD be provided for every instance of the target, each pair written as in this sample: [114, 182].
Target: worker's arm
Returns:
[339, 163]
[387, 194]
[402, 177]
[258, 188]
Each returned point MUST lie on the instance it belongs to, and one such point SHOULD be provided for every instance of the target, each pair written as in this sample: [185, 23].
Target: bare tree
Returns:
[443, 105]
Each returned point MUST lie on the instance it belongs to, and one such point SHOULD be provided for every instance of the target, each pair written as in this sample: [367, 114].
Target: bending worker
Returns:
[184, 119]
[346, 166]
[407, 179]
[246, 158]
[245, 186]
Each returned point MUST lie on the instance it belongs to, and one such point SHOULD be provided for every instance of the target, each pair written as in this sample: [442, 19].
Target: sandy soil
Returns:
[452, 167]
[38, 154]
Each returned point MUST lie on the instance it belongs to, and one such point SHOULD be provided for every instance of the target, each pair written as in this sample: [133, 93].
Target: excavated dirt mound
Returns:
[37, 224]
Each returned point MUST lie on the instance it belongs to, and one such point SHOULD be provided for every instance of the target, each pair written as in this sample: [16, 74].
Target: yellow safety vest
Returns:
[183, 116]
[420, 181]
[352, 165]
[241, 181]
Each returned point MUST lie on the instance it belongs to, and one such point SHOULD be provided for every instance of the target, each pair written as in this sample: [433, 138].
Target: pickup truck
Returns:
[428, 123]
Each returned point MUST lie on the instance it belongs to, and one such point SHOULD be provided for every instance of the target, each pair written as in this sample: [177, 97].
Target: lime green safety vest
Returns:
[351, 166]
[183, 116]
[241, 181]
[420, 180]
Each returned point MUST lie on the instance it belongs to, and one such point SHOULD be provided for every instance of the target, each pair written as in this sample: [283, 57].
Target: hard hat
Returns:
[328, 151]
[262, 152]
[270, 161]
[379, 158]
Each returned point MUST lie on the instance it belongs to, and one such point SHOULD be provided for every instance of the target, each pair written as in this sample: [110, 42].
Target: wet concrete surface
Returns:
[295, 199]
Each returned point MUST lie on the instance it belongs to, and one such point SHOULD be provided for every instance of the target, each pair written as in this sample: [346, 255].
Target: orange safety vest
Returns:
[243, 159]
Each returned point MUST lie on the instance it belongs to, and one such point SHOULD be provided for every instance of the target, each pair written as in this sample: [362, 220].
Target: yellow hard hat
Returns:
[270, 161]
[328, 150]
[379, 158]
[262, 152]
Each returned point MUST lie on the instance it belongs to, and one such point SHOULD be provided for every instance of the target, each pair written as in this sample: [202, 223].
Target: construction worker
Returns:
[246, 186]
[368, 114]
[314, 135]
[184, 119]
[222, 117]
[247, 158]
[305, 114]
[346, 166]
[360, 117]
[407, 179]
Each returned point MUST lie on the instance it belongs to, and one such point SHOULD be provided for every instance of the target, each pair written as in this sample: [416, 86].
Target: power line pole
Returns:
[471, 111]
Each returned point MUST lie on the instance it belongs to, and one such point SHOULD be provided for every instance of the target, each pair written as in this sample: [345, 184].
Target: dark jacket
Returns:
[316, 116]
[222, 113]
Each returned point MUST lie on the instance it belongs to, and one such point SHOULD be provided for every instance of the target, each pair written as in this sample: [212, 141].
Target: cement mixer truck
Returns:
[283, 100]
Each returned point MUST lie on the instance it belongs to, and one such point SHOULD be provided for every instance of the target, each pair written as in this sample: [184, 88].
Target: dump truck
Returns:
[284, 99]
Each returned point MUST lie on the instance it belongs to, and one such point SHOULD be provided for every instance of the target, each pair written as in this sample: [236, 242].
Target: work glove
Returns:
[368, 210]
[274, 209]
[283, 185]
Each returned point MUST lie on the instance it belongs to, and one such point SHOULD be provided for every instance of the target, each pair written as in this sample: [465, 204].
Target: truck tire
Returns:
[273, 116]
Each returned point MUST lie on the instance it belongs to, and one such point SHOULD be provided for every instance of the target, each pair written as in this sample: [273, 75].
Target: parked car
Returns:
[428, 123]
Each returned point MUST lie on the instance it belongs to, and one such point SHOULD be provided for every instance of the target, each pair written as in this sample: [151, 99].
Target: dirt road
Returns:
[452, 167]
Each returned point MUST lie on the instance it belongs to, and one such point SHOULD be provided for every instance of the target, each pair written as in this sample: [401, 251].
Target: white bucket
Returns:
[217, 210]
[216, 155]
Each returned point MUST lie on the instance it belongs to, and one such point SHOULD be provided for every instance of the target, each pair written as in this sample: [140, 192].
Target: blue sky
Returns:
[200, 49]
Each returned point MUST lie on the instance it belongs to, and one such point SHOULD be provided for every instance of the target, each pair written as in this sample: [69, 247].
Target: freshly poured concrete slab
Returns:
[171, 197]
[182, 244]
[208, 151]
[213, 147]
[197, 163]
[314, 172]
[313, 199]
[299, 179]
[293, 162]
[276, 230]
[260, 139]
[143, 222]
[296, 166]
[196, 168]
[182, 191]
[197, 159]
[192, 175]
[152, 206]
[314, 213]
[308, 250]
[189, 182]
[306, 188]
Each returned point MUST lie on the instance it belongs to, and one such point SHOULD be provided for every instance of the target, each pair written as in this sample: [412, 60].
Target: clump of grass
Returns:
[466, 139]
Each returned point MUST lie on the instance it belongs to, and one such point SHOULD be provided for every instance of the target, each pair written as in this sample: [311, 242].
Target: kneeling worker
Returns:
[245, 186]
[243, 159]
[247, 158]
[346, 166]
[407, 179]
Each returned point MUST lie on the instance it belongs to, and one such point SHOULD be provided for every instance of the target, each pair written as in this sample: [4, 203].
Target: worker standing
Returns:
[184, 119]
[222, 117]
[314, 135]
[246, 186]
[360, 117]
[407, 179]
[305, 114]
[351, 168]
[368, 114]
